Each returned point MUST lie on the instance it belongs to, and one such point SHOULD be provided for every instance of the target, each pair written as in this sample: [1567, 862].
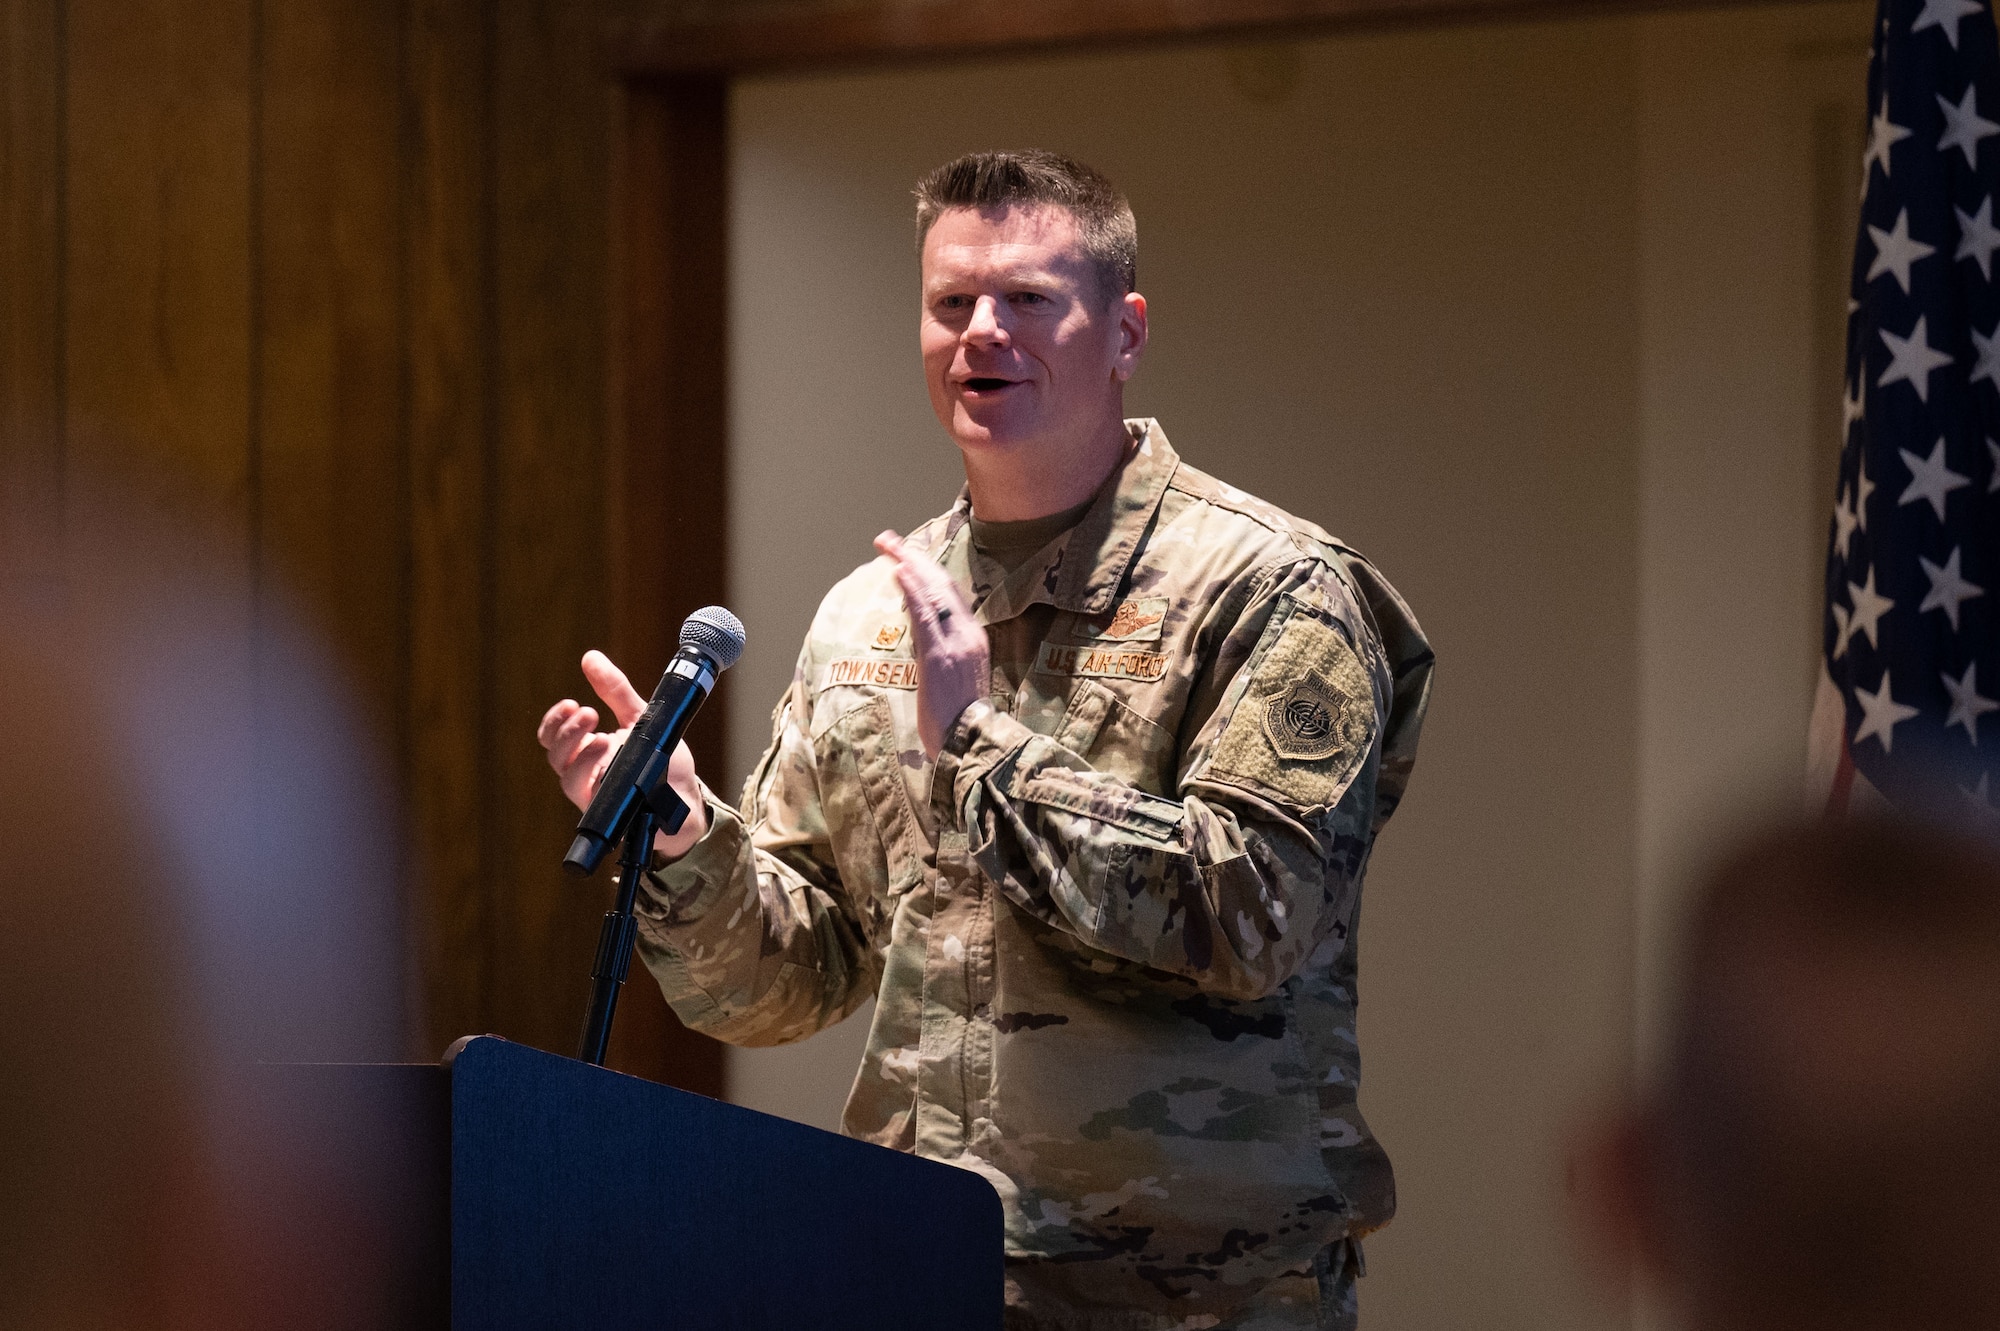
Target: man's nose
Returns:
[985, 325]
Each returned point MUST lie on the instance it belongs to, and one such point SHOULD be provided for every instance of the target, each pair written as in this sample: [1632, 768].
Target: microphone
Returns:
[711, 642]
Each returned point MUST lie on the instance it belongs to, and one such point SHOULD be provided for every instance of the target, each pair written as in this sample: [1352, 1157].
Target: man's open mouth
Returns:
[987, 384]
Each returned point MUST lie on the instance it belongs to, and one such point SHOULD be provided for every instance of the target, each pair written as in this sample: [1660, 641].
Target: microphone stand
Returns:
[619, 931]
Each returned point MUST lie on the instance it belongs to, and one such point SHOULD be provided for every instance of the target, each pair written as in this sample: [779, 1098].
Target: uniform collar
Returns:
[1081, 570]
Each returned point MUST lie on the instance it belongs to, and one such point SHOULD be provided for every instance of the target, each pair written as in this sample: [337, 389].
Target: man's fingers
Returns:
[585, 768]
[927, 589]
[568, 730]
[916, 594]
[909, 576]
[610, 684]
[569, 737]
[590, 753]
[949, 645]
[914, 568]
[552, 720]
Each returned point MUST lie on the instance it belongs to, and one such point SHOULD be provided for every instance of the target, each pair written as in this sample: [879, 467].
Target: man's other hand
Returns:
[954, 659]
[581, 754]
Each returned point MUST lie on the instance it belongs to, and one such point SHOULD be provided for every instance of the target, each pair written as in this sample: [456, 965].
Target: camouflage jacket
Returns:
[1111, 929]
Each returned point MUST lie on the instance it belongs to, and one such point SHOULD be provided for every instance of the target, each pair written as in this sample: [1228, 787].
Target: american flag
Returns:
[1912, 636]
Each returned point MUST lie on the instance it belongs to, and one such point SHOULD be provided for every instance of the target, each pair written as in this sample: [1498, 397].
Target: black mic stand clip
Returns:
[663, 810]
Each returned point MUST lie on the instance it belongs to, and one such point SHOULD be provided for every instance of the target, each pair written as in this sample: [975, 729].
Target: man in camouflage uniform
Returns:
[1081, 791]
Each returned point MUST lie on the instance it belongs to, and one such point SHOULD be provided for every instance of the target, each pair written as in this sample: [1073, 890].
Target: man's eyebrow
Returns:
[1035, 277]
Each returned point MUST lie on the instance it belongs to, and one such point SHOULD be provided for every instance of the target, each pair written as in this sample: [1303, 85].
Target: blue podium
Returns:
[544, 1194]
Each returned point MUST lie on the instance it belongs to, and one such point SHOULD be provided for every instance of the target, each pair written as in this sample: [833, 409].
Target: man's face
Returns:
[1022, 345]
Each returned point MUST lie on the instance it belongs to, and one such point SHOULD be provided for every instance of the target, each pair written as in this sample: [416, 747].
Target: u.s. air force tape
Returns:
[1136, 663]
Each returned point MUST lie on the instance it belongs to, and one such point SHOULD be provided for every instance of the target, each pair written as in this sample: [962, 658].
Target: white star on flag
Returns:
[1948, 588]
[1852, 408]
[1882, 136]
[1841, 633]
[1880, 715]
[1869, 607]
[1912, 358]
[1895, 251]
[1988, 367]
[1930, 479]
[1978, 237]
[1843, 524]
[1863, 487]
[1945, 14]
[1966, 704]
[1963, 127]
[1980, 795]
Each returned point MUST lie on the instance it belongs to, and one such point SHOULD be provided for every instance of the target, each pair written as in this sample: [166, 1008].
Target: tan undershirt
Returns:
[1010, 545]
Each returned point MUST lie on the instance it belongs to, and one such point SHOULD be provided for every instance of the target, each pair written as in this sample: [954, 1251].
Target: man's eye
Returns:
[1030, 298]
[953, 302]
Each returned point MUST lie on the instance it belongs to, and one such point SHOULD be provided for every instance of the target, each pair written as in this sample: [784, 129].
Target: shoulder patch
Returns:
[1306, 721]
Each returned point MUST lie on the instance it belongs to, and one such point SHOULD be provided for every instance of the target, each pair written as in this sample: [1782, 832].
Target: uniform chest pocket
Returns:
[861, 762]
[1103, 729]
[1090, 703]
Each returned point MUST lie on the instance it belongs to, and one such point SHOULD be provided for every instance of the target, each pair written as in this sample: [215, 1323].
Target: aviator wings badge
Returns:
[1303, 722]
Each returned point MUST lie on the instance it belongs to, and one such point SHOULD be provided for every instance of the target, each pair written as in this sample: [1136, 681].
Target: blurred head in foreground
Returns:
[196, 875]
[1824, 1148]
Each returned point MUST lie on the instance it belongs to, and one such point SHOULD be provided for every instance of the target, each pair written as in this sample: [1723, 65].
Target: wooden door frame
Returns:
[804, 36]
[667, 468]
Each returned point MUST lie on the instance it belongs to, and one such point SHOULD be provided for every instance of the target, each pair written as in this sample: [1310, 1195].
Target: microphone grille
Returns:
[716, 634]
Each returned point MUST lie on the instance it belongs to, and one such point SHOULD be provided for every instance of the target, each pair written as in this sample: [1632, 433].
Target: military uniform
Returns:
[1111, 928]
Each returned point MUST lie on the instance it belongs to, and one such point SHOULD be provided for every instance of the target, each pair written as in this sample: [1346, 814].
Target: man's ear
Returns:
[1131, 335]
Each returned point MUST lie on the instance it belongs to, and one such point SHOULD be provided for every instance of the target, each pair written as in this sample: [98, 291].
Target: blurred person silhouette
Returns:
[197, 875]
[1823, 1149]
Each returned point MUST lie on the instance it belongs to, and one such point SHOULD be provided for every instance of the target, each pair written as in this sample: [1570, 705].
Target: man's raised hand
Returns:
[568, 731]
[954, 659]
[580, 754]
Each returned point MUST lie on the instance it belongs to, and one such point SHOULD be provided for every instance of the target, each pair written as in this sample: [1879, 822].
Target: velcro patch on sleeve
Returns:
[1305, 723]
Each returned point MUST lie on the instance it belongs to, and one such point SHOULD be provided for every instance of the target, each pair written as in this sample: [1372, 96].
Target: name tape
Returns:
[890, 674]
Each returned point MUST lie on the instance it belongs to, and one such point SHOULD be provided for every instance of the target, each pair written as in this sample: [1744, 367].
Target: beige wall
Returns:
[1516, 310]
[1737, 442]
